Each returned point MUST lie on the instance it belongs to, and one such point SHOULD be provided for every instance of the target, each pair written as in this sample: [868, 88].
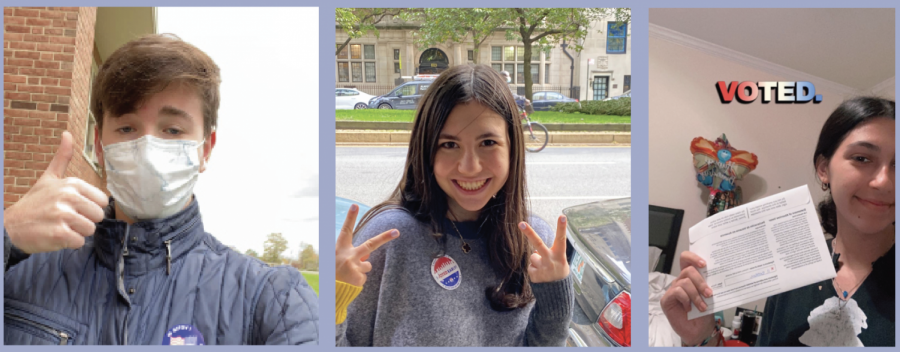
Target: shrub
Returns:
[618, 107]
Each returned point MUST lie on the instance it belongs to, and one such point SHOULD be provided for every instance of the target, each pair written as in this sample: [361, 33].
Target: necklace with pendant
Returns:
[845, 294]
[465, 246]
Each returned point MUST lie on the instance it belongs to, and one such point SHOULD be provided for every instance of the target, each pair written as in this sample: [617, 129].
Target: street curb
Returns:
[556, 138]
[562, 127]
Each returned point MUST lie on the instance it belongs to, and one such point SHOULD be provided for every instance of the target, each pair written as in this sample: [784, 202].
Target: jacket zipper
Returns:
[168, 257]
[169, 245]
[63, 337]
[125, 254]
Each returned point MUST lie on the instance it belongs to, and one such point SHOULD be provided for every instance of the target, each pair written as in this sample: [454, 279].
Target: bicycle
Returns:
[536, 135]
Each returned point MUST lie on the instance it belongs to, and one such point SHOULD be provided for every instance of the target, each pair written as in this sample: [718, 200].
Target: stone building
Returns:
[377, 64]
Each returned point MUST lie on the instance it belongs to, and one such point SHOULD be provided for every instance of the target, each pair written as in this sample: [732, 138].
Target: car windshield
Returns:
[605, 227]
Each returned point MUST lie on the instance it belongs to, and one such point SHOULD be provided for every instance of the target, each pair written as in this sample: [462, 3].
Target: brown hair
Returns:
[420, 195]
[842, 121]
[148, 65]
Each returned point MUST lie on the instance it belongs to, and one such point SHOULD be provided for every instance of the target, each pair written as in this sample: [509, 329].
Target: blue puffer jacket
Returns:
[130, 284]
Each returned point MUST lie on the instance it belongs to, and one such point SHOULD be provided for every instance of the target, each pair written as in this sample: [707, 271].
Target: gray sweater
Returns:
[401, 304]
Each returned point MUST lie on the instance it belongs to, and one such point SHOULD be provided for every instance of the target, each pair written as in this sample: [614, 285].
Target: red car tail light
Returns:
[615, 319]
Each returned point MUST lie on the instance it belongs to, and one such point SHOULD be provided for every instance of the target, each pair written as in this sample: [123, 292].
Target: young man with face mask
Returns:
[137, 267]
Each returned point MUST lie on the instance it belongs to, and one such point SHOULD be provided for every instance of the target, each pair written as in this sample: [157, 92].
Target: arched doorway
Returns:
[433, 61]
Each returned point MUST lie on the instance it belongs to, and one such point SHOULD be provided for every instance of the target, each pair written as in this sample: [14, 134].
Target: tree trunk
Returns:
[527, 69]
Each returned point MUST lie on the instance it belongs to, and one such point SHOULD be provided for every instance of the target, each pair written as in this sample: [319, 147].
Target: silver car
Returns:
[599, 252]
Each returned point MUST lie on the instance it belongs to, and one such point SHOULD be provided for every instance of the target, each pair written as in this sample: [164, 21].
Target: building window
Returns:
[627, 85]
[370, 72]
[616, 34]
[356, 62]
[356, 70]
[509, 53]
[546, 73]
[496, 53]
[511, 59]
[343, 72]
[396, 60]
[471, 55]
[89, 149]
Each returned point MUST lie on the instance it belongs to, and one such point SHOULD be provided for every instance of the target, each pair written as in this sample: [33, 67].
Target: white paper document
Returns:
[760, 249]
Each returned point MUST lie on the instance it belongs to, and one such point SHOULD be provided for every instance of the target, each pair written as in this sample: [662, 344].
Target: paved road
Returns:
[558, 177]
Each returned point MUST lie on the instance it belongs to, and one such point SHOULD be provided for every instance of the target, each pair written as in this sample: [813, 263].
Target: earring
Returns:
[494, 196]
[825, 186]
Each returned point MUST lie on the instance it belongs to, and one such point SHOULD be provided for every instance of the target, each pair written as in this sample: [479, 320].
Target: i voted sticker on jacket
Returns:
[446, 272]
[183, 335]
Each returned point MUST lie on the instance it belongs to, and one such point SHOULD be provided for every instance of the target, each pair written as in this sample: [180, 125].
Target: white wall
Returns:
[684, 104]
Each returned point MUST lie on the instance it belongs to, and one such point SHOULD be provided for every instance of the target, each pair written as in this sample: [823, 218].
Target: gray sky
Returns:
[263, 173]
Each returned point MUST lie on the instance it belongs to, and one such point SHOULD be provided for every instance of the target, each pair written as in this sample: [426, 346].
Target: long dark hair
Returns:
[844, 119]
[420, 195]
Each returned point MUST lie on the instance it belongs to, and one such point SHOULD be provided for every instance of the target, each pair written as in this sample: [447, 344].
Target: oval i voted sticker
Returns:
[183, 335]
[446, 272]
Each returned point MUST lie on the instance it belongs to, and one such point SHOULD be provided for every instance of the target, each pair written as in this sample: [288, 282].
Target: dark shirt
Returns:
[786, 314]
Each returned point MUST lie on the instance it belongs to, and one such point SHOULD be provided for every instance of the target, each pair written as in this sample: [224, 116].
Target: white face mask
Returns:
[152, 178]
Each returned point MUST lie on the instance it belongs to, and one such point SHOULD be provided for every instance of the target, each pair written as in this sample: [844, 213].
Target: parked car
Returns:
[404, 97]
[542, 101]
[627, 94]
[350, 98]
[599, 252]
[342, 207]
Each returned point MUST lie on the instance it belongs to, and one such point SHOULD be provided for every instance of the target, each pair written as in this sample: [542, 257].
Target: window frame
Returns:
[623, 37]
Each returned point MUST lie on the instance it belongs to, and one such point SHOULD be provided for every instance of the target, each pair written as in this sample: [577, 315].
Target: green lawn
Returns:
[313, 279]
[383, 115]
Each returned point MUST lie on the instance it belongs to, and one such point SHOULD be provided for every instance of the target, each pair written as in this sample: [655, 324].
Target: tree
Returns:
[358, 22]
[252, 253]
[536, 28]
[275, 244]
[542, 27]
[309, 259]
[454, 25]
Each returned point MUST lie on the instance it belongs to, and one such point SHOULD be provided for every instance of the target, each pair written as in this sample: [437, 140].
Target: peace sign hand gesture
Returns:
[352, 266]
[547, 264]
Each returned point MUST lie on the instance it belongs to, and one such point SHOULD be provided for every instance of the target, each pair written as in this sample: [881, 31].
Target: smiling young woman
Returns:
[854, 161]
[464, 267]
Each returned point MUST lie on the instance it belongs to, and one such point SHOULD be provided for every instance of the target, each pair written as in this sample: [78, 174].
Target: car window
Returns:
[423, 88]
[351, 93]
[339, 92]
[554, 96]
[539, 96]
[407, 90]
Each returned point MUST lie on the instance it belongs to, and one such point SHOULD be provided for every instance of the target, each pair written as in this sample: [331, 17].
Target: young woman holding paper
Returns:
[854, 162]
[451, 258]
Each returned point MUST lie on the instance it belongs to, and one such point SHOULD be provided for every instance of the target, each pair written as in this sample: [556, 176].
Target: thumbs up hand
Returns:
[57, 212]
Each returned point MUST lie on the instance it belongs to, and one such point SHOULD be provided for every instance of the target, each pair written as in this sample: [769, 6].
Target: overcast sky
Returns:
[263, 173]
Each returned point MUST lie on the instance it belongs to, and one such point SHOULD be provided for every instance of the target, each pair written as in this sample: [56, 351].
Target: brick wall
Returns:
[47, 54]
